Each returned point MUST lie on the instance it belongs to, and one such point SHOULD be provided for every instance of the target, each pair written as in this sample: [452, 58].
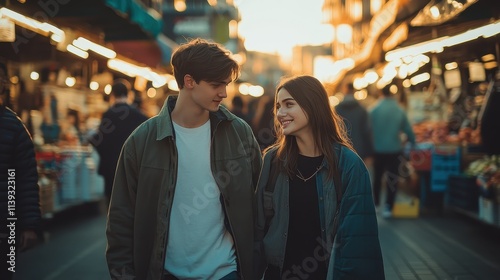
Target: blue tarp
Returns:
[149, 20]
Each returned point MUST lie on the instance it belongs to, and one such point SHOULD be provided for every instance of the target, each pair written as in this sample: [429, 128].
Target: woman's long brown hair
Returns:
[326, 125]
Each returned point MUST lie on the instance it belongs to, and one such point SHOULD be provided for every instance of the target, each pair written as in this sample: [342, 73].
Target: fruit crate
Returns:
[420, 155]
[421, 159]
[445, 162]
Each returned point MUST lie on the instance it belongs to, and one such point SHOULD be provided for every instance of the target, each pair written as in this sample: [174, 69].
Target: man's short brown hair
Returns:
[203, 60]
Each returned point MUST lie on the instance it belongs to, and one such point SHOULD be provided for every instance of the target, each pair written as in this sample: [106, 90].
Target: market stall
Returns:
[456, 169]
[67, 177]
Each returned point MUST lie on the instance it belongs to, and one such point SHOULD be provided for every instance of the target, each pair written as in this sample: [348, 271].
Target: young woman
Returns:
[301, 230]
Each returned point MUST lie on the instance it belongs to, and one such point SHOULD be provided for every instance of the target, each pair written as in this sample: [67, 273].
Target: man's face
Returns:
[209, 95]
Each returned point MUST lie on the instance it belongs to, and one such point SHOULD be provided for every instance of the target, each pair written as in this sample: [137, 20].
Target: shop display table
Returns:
[68, 177]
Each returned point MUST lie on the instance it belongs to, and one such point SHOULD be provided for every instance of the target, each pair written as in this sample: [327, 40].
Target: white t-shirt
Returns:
[199, 246]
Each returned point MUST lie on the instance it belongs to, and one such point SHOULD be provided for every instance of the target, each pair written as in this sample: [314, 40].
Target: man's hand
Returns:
[28, 239]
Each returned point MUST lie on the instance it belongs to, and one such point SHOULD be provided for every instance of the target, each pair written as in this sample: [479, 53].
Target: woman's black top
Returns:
[304, 257]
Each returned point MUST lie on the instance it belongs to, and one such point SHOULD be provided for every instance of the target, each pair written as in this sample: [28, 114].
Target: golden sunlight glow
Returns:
[233, 29]
[107, 89]
[70, 81]
[266, 31]
[76, 51]
[172, 85]
[14, 79]
[86, 45]
[94, 85]
[243, 88]
[393, 89]
[334, 101]
[356, 10]
[151, 93]
[344, 33]
[34, 75]
[420, 78]
[435, 12]
[180, 5]
[323, 68]
[256, 91]
[375, 6]
[361, 94]
[360, 83]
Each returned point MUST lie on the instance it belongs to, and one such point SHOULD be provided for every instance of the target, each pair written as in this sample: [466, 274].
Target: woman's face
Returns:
[290, 115]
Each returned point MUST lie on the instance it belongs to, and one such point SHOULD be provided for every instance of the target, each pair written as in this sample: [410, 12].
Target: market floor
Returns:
[444, 246]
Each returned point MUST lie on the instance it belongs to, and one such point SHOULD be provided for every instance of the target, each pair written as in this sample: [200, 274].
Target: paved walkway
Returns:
[447, 246]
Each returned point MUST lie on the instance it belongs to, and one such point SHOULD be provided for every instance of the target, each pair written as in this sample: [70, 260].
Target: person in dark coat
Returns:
[357, 122]
[490, 135]
[19, 197]
[238, 108]
[117, 124]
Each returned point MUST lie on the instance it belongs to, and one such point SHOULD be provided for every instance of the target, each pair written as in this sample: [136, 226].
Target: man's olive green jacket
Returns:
[144, 187]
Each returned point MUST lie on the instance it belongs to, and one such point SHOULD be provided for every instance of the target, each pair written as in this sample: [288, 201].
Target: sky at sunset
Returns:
[275, 26]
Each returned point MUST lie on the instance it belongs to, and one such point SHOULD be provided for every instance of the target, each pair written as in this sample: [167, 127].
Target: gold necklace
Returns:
[301, 177]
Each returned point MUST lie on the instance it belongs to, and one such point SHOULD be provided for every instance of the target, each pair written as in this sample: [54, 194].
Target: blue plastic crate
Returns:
[445, 162]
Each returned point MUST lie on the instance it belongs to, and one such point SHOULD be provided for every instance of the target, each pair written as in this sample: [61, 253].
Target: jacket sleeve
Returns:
[252, 148]
[356, 253]
[408, 130]
[256, 162]
[120, 223]
[27, 191]
[260, 220]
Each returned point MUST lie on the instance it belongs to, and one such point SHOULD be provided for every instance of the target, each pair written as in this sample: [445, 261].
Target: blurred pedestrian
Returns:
[238, 108]
[315, 213]
[357, 122]
[388, 121]
[116, 125]
[181, 206]
[19, 193]
[262, 121]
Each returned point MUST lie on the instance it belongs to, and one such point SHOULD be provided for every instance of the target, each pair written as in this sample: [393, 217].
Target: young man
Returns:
[182, 202]
[117, 124]
[388, 121]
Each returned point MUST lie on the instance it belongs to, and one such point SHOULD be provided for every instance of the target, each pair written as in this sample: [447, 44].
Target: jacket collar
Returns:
[164, 124]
